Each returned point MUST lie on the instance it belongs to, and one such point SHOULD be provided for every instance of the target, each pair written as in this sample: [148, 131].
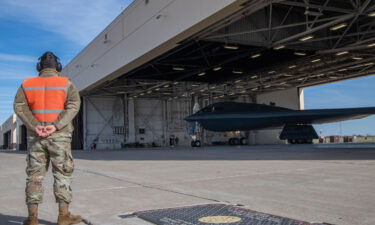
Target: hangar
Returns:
[144, 73]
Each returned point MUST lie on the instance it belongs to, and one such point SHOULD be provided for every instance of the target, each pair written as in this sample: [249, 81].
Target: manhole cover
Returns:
[214, 214]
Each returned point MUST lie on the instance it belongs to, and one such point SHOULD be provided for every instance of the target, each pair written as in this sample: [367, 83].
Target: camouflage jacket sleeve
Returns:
[72, 105]
[21, 108]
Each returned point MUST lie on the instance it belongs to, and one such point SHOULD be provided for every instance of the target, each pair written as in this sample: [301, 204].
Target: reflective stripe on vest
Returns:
[46, 96]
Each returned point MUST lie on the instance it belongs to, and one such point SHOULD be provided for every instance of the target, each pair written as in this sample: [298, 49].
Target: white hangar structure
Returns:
[143, 74]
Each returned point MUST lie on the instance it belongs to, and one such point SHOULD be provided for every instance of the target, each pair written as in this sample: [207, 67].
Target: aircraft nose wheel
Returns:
[234, 141]
[196, 143]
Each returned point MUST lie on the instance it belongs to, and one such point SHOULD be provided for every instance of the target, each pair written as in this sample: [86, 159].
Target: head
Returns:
[49, 60]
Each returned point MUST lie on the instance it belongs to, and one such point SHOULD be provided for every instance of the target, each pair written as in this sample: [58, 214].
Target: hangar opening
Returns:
[263, 52]
[344, 94]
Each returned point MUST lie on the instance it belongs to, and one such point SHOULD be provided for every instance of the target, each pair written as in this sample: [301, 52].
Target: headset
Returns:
[57, 60]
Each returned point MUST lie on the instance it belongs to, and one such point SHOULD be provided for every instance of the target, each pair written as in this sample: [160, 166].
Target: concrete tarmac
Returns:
[313, 183]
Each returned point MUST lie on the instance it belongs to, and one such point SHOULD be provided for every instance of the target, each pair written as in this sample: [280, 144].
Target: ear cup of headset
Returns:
[38, 67]
[58, 66]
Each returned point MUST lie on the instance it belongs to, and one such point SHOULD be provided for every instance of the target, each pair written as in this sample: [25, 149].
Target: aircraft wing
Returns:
[259, 120]
[319, 116]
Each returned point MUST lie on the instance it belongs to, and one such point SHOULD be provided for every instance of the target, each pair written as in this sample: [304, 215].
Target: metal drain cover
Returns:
[214, 214]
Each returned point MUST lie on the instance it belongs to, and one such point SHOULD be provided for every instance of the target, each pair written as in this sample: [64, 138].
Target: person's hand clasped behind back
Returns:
[45, 131]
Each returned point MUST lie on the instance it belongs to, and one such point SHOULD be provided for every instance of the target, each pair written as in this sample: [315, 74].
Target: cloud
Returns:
[16, 58]
[78, 21]
[10, 72]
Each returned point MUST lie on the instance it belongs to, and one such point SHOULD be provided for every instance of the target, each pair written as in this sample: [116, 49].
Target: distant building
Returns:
[8, 135]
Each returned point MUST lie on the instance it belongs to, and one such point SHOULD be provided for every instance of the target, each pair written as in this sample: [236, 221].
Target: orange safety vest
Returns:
[46, 96]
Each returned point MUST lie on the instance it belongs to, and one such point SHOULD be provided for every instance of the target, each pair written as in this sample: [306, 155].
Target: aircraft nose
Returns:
[191, 118]
[188, 118]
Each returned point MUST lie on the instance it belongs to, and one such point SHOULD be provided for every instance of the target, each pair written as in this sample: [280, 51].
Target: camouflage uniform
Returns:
[55, 148]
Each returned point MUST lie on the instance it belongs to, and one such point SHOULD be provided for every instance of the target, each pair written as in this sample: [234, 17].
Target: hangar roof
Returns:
[279, 45]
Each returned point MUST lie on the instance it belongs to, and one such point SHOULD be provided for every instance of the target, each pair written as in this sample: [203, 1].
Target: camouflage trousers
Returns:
[57, 150]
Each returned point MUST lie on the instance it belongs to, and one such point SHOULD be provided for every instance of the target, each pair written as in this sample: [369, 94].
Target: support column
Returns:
[131, 121]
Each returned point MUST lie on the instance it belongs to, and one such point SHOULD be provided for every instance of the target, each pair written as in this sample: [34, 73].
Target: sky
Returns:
[30, 28]
[357, 92]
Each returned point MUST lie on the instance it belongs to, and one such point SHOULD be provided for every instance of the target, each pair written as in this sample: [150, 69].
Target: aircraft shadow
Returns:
[232, 153]
[261, 152]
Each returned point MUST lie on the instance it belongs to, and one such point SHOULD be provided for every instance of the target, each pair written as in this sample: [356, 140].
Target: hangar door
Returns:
[103, 122]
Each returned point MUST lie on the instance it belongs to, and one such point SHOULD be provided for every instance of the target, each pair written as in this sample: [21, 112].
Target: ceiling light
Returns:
[201, 74]
[342, 70]
[315, 60]
[254, 89]
[195, 85]
[357, 58]
[239, 87]
[320, 74]
[175, 83]
[300, 53]
[271, 72]
[176, 68]
[342, 53]
[332, 77]
[279, 47]
[306, 38]
[292, 66]
[237, 72]
[254, 76]
[217, 68]
[157, 89]
[231, 47]
[221, 96]
[256, 56]
[149, 92]
[166, 85]
[339, 26]
[369, 64]
[267, 86]
[244, 91]
[237, 81]
[371, 45]
[313, 13]
[301, 79]
[288, 75]
[372, 14]
[231, 94]
[135, 96]
[282, 83]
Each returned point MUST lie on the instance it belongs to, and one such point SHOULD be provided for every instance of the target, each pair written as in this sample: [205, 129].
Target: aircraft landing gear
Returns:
[196, 143]
[244, 141]
[300, 141]
[238, 141]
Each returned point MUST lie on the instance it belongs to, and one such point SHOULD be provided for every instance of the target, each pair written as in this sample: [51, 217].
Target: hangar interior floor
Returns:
[308, 183]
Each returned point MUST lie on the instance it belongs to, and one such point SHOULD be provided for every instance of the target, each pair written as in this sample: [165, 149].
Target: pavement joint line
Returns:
[102, 189]
[148, 186]
[236, 176]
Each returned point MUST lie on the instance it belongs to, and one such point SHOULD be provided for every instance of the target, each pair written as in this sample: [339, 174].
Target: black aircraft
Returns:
[233, 116]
